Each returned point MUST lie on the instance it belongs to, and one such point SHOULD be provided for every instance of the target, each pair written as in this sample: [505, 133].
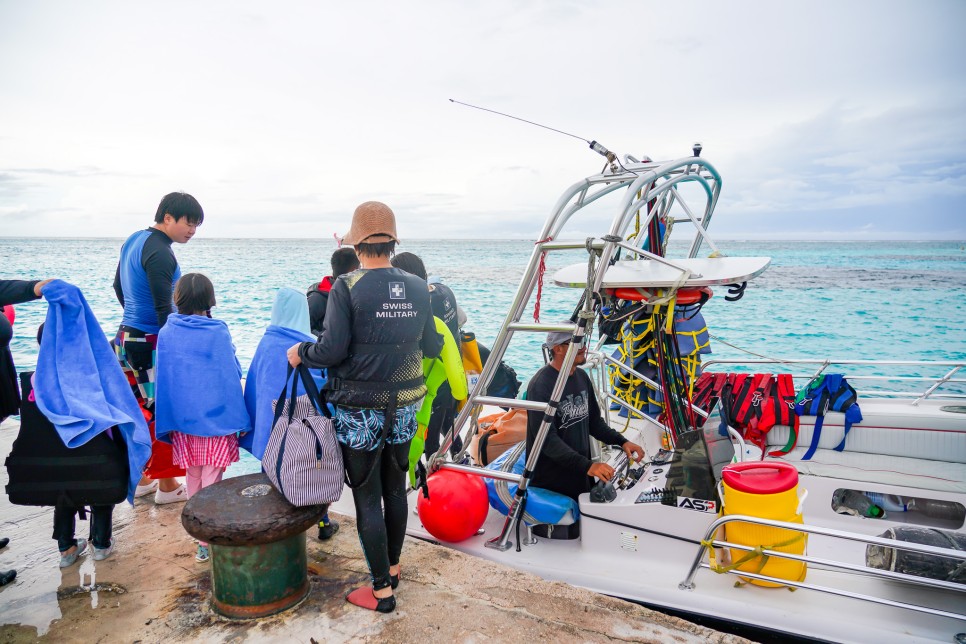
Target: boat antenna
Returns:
[594, 145]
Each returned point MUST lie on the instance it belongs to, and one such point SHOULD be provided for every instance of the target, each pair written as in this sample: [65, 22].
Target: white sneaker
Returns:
[100, 554]
[66, 561]
[177, 495]
[144, 490]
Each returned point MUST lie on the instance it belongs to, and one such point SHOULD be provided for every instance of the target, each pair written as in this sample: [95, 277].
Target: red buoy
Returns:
[457, 505]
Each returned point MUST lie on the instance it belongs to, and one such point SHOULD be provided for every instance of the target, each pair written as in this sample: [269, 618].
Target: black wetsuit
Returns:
[11, 292]
[565, 457]
[443, 301]
[443, 413]
[378, 325]
[318, 297]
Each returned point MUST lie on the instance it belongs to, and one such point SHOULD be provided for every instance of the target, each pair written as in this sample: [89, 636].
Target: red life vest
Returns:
[752, 404]
[325, 285]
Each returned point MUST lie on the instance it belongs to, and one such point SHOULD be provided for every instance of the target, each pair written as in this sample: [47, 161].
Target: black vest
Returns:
[44, 471]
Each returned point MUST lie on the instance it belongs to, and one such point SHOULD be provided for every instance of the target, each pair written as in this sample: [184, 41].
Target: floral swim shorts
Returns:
[361, 428]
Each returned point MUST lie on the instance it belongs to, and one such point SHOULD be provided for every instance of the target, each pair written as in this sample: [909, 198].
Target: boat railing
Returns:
[871, 372]
[937, 584]
[647, 190]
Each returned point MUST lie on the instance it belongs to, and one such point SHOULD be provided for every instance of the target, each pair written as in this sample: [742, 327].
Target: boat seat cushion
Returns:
[543, 506]
[889, 428]
[881, 468]
[890, 445]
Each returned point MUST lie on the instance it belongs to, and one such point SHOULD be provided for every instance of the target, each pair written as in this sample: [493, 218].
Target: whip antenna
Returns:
[594, 145]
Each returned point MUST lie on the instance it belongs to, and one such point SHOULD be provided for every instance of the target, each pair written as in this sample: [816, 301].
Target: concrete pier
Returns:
[153, 590]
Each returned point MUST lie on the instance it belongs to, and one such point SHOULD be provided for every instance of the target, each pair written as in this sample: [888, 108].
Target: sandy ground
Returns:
[152, 590]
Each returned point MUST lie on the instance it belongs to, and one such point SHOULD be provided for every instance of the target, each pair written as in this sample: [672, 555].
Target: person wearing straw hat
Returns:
[378, 326]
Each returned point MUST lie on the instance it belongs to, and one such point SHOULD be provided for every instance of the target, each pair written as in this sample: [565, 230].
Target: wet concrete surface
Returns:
[153, 590]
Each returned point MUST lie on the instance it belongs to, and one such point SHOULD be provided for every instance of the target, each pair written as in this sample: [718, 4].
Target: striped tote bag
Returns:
[302, 459]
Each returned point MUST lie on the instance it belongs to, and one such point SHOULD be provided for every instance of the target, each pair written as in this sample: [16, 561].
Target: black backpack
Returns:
[505, 383]
[44, 471]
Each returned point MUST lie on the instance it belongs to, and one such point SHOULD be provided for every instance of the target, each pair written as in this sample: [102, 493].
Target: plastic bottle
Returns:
[888, 502]
[855, 503]
[472, 363]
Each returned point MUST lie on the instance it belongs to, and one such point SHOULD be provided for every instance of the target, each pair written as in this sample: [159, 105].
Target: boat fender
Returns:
[919, 564]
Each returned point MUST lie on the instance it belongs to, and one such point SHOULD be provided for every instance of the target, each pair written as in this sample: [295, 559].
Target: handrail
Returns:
[933, 382]
[482, 472]
[641, 183]
[576, 197]
[688, 583]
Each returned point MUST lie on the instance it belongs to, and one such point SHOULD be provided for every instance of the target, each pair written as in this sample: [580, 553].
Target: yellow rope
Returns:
[749, 556]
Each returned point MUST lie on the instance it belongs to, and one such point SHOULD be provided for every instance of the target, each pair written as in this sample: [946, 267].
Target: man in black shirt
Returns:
[564, 465]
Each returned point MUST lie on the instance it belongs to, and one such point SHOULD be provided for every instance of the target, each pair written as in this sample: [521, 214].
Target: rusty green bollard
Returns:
[257, 540]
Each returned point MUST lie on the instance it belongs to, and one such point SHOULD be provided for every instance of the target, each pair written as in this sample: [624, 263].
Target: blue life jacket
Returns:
[831, 393]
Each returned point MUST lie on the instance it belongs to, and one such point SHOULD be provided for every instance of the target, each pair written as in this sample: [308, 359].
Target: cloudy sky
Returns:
[827, 119]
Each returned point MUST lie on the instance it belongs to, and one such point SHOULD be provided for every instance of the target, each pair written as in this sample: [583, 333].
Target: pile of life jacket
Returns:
[750, 403]
[754, 403]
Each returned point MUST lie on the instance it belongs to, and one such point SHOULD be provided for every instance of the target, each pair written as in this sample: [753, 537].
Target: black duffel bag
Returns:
[44, 471]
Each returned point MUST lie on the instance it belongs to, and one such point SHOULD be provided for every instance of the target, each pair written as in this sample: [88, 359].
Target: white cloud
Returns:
[282, 119]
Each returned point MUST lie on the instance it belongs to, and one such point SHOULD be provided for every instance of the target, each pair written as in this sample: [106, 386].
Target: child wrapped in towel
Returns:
[267, 375]
[80, 389]
[79, 386]
[200, 408]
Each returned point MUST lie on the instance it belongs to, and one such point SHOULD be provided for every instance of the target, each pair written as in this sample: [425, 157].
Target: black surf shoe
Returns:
[4, 542]
[7, 576]
[327, 530]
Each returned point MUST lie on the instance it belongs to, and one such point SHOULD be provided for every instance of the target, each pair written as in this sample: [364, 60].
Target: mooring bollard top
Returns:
[245, 511]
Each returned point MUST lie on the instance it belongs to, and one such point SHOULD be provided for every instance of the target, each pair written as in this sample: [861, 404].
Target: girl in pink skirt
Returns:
[200, 405]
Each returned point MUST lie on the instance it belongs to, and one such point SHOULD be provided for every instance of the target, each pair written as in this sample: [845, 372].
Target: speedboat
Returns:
[829, 506]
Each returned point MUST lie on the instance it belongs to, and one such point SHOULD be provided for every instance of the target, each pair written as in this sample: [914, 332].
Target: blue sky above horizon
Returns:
[826, 119]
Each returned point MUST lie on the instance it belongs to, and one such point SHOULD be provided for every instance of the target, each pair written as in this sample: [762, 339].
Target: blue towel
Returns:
[79, 385]
[198, 384]
[291, 311]
[264, 382]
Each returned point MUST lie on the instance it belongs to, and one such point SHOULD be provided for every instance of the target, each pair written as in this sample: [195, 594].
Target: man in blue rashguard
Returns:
[144, 283]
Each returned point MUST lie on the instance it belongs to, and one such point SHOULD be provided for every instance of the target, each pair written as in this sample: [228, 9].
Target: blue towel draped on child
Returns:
[291, 311]
[266, 375]
[79, 385]
[198, 385]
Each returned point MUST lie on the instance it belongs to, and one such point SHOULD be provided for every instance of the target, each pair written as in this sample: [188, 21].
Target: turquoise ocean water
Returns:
[858, 300]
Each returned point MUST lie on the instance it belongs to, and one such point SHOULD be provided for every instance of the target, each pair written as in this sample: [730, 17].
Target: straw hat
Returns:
[372, 223]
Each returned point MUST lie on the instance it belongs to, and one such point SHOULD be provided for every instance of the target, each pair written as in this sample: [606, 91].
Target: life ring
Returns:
[685, 296]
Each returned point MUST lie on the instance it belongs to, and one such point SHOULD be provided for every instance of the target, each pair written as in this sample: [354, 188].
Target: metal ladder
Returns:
[641, 184]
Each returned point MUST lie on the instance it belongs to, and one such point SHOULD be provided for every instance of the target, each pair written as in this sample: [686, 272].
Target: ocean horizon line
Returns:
[951, 240]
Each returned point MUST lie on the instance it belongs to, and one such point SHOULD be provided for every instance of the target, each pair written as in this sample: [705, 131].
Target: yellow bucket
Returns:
[768, 491]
